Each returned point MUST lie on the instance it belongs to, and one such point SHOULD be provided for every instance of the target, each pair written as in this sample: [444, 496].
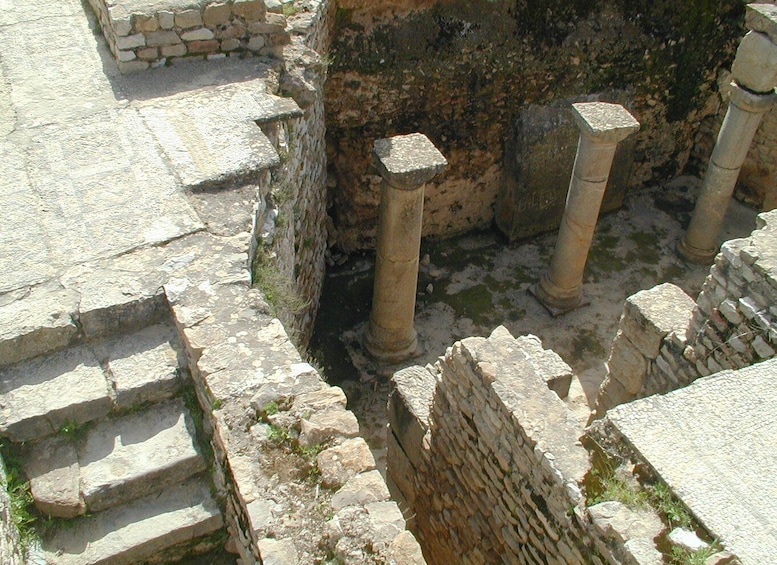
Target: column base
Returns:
[388, 352]
[555, 305]
[691, 254]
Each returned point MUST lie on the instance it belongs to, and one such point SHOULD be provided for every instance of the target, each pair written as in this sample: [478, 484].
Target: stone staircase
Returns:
[109, 445]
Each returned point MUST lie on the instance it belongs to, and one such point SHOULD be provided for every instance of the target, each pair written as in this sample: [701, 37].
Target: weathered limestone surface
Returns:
[139, 530]
[713, 444]
[500, 465]
[144, 366]
[648, 318]
[125, 458]
[211, 137]
[33, 401]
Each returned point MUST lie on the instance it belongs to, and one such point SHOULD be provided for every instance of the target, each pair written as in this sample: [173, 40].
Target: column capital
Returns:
[602, 122]
[762, 18]
[407, 161]
[750, 102]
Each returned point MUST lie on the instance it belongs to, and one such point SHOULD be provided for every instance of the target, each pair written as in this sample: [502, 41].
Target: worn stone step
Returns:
[40, 395]
[123, 458]
[117, 460]
[138, 531]
[143, 366]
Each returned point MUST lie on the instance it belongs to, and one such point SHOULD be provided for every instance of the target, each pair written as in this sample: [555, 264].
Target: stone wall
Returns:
[146, 35]
[666, 340]
[461, 73]
[290, 226]
[492, 468]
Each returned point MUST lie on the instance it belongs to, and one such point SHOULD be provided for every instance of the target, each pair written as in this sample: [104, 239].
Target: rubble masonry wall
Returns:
[666, 340]
[490, 463]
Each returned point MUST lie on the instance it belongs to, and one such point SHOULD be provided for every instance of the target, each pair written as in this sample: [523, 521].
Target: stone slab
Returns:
[408, 160]
[605, 122]
[139, 530]
[650, 315]
[129, 457]
[143, 365]
[38, 62]
[51, 466]
[713, 443]
[37, 321]
[549, 365]
[101, 180]
[409, 406]
[32, 403]
[209, 138]
[26, 258]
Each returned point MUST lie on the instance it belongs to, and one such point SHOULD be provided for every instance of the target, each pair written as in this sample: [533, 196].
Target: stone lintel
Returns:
[763, 18]
[603, 122]
[407, 161]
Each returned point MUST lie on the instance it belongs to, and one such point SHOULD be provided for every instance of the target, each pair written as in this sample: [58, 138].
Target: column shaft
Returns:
[700, 242]
[396, 272]
[602, 126]
[405, 162]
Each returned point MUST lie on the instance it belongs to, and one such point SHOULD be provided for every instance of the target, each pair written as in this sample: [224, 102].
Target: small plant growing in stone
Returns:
[680, 556]
[671, 509]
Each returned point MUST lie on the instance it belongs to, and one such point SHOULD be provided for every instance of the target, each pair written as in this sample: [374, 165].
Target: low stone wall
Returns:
[490, 463]
[665, 340]
[141, 35]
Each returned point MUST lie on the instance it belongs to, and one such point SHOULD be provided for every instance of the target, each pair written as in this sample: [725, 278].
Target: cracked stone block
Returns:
[52, 469]
[650, 315]
[144, 365]
[326, 425]
[340, 463]
[360, 490]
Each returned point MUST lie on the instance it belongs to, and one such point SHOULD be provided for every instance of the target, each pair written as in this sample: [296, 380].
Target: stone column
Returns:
[751, 95]
[405, 162]
[602, 126]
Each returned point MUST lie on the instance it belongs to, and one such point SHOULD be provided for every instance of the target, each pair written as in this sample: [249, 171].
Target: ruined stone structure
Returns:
[667, 340]
[198, 178]
[194, 193]
[466, 73]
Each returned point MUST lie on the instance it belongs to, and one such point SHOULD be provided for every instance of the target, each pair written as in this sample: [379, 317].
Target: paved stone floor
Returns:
[84, 171]
[722, 456]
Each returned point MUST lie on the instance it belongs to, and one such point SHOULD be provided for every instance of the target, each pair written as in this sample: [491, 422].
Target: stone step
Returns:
[117, 460]
[116, 373]
[143, 366]
[33, 402]
[141, 531]
[211, 137]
